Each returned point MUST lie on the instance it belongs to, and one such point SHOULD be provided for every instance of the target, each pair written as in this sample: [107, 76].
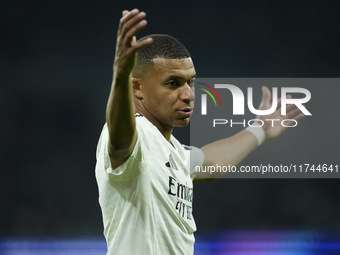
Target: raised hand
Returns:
[120, 110]
[273, 128]
[127, 46]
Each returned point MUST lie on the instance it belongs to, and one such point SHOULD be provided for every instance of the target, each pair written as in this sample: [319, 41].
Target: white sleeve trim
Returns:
[196, 159]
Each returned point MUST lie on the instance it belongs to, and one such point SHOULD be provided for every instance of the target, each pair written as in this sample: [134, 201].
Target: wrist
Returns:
[120, 73]
[257, 130]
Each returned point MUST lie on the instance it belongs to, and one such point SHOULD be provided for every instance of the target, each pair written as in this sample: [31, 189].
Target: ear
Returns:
[136, 86]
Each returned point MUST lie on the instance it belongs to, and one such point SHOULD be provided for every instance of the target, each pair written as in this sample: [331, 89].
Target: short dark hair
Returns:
[162, 46]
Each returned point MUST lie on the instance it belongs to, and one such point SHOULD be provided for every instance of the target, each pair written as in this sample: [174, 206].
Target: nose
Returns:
[187, 93]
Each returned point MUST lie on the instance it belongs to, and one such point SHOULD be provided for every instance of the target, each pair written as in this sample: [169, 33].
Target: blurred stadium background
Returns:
[56, 68]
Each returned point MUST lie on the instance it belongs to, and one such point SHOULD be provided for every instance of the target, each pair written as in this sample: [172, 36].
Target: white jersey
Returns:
[147, 201]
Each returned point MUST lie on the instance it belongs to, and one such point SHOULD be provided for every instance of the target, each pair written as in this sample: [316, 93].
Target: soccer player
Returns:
[143, 173]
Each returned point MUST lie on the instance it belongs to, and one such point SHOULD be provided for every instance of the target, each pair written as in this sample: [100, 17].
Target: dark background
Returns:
[56, 68]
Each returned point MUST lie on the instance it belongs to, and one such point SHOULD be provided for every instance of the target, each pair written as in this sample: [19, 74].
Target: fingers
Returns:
[143, 43]
[266, 95]
[297, 118]
[130, 24]
[134, 25]
[126, 16]
[291, 107]
[291, 114]
[280, 100]
[127, 46]
[130, 19]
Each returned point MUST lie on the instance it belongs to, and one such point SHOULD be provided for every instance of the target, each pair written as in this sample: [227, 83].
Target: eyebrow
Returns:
[174, 77]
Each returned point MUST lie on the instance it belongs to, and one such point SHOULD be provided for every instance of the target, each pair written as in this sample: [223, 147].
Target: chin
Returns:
[182, 123]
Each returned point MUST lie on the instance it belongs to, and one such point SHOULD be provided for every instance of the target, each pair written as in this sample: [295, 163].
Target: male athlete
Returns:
[144, 174]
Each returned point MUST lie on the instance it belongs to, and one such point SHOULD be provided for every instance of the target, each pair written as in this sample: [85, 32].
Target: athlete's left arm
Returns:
[231, 151]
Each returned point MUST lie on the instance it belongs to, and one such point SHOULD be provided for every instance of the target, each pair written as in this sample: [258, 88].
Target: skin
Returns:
[165, 95]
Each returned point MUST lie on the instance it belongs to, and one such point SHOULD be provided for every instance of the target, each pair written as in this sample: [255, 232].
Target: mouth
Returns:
[186, 111]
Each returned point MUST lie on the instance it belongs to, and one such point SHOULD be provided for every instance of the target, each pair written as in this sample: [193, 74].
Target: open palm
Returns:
[273, 125]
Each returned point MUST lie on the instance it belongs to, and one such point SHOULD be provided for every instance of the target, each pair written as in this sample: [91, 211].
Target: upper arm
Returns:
[197, 159]
[204, 176]
[119, 155]
[121, 122]
[123, 170]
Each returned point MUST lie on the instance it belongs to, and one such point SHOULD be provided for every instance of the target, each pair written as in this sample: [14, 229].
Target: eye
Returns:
[191, 82]
[172, 83]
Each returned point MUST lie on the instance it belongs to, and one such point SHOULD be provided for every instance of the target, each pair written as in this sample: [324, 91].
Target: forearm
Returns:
[230, 151]
[120, 112]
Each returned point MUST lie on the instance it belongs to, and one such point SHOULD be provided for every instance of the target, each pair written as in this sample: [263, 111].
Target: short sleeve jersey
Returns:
[146, 202]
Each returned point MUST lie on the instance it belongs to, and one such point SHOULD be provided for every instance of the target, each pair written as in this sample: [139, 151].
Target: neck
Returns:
[165, 130]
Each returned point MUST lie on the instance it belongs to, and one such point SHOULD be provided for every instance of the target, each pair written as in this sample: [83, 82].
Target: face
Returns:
[168, 91]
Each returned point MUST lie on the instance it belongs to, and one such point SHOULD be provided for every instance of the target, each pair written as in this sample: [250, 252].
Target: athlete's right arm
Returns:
[120, 111]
